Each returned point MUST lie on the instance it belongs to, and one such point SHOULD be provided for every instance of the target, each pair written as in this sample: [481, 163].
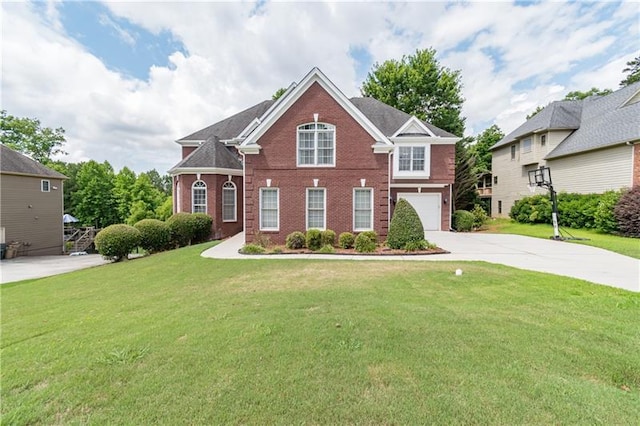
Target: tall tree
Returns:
[70, 185]
[481, 149]
[466, 177]
[94, 203]
[122, 192]
[281, 91]
[633, 70]
[578, 95]
[28, 137]
[161, 183]
[145, 200]
[420, 86]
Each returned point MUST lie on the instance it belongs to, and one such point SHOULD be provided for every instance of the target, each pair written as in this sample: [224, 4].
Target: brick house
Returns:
[315, 159]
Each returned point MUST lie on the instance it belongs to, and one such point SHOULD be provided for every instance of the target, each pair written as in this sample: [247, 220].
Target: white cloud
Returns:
[512, 59]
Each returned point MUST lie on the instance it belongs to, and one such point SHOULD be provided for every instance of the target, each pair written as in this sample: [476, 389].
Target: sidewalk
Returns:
[536, 254]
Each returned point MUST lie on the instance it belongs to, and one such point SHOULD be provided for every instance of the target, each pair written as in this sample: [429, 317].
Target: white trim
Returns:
[314, 76]
[190, 142]
[353, 209]
[235, 201]
[626, 102]
[204, 170]
[277, 228]
[412, 174]
[418, 185]
[42, 184]
[247, 130]
[324, 207]
[206, 196]
[424, 139]
[413, 121]
[331, 127]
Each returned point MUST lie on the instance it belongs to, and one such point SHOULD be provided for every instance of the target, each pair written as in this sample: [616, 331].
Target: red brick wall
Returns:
[636, 164]
[214, 183]
[355, 160]
[186, 150]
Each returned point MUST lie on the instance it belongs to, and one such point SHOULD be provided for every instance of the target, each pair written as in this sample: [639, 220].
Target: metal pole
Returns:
[554, 213]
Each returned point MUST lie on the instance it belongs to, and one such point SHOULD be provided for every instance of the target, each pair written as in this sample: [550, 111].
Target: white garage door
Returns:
[428, 208]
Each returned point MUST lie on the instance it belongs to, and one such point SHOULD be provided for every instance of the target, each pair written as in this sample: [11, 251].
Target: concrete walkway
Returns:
[29, 267]
[535, 254]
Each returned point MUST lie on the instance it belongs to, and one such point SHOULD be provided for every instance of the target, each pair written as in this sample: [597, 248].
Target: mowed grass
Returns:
[623, 245]
[178, 339]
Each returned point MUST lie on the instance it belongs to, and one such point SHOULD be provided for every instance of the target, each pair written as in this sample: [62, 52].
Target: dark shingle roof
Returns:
[232, 126]
[389, 119]
[211, 154]
[557, 115]
[606, 121]
[12, 162]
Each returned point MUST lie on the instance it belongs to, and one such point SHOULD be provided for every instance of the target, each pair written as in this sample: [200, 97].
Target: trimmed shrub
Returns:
[577, 210]
[328, 238]
[314, 239]
[346, 240]
[405, 226]
[326, 249]
[627, 213]
[117, 241]
[295, 240]
[182, 227]
[416, 245]
[252, 249]
[202, 224]
[365, 242]
[604, 218]
[155, 235]
[480, 216]
[535, 209]
[463, 221]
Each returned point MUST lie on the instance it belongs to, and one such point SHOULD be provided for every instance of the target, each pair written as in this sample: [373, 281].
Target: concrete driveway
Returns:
[29, 267]
[535, 254]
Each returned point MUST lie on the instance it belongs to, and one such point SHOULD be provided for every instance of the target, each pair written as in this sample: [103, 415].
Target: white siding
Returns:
[593, 172]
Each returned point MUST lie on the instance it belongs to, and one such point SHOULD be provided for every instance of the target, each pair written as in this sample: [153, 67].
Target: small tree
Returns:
[627, 213]
[405, 226]
[117, 241]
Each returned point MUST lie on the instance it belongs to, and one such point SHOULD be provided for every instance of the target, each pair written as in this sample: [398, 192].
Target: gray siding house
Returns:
[591, 146]
[31, 204]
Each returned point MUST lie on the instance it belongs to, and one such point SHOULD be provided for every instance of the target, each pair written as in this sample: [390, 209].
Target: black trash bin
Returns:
[3, 249]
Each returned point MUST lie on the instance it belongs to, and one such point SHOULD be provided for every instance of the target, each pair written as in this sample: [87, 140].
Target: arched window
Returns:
[229, 202]
[316, 144]
[199, 197]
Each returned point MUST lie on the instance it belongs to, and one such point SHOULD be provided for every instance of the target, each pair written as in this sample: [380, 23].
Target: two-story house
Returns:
[315, 159]
[590, 146]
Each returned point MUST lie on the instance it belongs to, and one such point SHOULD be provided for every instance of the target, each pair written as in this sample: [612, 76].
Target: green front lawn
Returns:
[175, 338]
[623, 245]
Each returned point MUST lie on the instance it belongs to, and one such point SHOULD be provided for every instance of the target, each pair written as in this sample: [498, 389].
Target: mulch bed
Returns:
[380, 251]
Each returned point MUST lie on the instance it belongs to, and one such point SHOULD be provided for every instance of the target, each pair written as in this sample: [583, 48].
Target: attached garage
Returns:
[428, 207]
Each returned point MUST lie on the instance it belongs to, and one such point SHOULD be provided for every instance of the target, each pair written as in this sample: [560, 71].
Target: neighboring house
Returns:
[590, 146]
[31, 204]
[315, 159]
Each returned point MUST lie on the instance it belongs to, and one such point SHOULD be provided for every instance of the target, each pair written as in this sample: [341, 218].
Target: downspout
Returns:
[244, 195]
[389, 190]
[450, 203]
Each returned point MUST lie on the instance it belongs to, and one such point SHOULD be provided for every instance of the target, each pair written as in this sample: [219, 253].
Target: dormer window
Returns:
[316, 145]
[412, 160]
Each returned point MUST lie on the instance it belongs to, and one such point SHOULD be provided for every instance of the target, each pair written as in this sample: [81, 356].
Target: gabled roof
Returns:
[389, 119]
[231, 127]
[211, 154]
[608, 120]
[291, 96]
[14, 163]
[558, 115]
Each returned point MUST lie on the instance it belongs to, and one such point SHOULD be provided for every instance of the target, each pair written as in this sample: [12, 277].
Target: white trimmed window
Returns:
[526, 145]
[316, 208]
[229, 202]
[412, 160]
[199, 197]
[362, 209]
[316, 144]
[45, 185]
[269, 209]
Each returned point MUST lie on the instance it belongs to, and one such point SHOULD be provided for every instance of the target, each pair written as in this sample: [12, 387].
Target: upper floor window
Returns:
[411, 158]
[543, 140]
[316, 144]
[513, 151]
[229, 202]
[526, 145]
[45, 185]
[199, 197]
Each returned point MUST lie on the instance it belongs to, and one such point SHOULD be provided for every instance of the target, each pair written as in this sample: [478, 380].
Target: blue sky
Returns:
[126, 79]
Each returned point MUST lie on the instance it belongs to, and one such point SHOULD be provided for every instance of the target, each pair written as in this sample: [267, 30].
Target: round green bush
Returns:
[252, 249]
[202, 227]
[627, 213]
[295, 240]
[314, 239]
[117, 241]
[416, 245]
[326, 249]
[154, 234]
[604, 217]
[183, 229]
[480, 216]
[463, 221]
[346, 240]
[535, 209]
[366, 242]
[328, 238]
[405, 226]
